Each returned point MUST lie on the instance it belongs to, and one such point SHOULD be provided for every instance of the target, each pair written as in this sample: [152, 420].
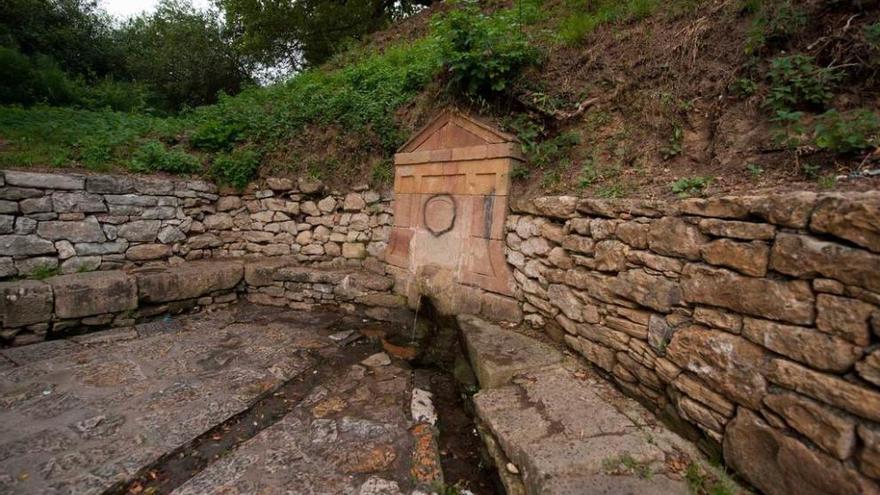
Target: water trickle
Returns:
[412, 337]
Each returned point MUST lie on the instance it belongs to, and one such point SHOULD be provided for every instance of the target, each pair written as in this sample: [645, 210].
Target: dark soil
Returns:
[665, 81]
[460, 444]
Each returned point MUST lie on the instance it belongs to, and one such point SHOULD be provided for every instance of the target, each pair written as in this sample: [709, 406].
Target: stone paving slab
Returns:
[552, 426]
[79, 419]
[350, 435]
[5, 363]
[37, 352]
[565, 433]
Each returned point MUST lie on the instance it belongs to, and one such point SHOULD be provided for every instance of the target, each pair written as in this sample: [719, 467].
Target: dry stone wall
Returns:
[74, 223]
[65, 305]
[753, 319]
[128, 249]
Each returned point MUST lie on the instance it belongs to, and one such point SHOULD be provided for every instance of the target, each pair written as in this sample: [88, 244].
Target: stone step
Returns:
[497, 355]
[558, 429]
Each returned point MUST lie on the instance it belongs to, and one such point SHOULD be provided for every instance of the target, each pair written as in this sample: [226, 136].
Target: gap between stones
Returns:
[438, 364]
[176, 467]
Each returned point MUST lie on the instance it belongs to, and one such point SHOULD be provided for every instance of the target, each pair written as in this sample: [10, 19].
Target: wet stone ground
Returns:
[240, 401]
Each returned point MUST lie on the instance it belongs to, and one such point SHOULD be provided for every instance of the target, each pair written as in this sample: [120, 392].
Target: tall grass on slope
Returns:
[356, 97]
[63, 137]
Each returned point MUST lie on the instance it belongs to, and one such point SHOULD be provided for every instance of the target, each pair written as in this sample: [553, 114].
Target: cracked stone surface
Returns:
[352, 425]
[568, 432]
[79, 418]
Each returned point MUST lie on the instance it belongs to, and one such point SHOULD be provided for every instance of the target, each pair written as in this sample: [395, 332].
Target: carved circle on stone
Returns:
[439, 214]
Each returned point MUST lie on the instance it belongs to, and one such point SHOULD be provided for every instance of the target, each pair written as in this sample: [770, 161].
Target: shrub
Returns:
[216, 135]
[775, 24]
[153, 156]
[236, 168]
[673, 147]
[847, 132]
[691, 186]
[29, 80]
[121, 96]
[789, 128]
[482, 54]
[795, 80]
[744, 87]
[38, 79]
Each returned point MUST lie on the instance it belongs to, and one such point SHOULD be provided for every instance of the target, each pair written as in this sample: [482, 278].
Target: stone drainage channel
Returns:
[442, 383]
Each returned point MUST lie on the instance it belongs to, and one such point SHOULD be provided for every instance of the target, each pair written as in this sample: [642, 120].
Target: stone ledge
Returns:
[497, 355]
[94, 293]
[34, 310]
[187, 280]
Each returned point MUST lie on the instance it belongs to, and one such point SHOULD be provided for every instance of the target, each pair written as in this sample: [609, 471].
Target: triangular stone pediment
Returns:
[453, 129]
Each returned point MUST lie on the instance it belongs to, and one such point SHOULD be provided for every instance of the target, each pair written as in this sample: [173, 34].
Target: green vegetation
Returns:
[744, 87]
[755, 170]
[64, 136]
[137, 102]
[810, 171]
[71, 53]
[775, 24]
[827, 181]
[587, 15]
[236, 168]
[627, 464]
[796, 81]
[588, 175]
[483, 54]
[847, 132]
[154, 156]
[43, 272]
[611, 191]
[691, 186]
[542, 152]
[702, 483]
[39, 79]
[673, 146]
[798, 85]
[308, 32]
[360, 98]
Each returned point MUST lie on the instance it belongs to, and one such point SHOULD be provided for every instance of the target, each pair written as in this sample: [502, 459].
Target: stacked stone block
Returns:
[284, 282]
[282, 218]
[754, 319]
[74, 223]
[32, 311]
